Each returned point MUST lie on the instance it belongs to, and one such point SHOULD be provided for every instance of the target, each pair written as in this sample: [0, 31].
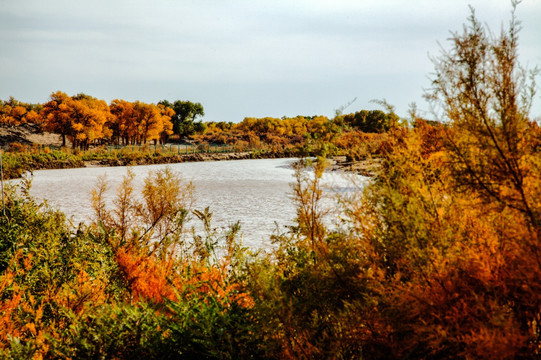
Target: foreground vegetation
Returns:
[437, 258]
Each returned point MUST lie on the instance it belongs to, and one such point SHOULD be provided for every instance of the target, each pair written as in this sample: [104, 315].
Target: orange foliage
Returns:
[432, 137]
[86, 120]
[85, 291]
[360, 145]
[461, 265]
[158, 279]
[274, 132]
[139, 122]
[122, 124]
[55, 115]
[147, 277]
[14, 112]
[88, 117]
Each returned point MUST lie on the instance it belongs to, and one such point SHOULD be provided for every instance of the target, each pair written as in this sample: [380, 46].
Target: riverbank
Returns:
[170, 159]
[17, 163]
[367, 167]
[30, 149]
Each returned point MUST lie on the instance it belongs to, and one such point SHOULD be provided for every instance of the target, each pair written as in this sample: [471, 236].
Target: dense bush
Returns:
[113, 291]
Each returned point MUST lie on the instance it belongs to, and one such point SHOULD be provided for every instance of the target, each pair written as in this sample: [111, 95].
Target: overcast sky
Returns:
[241, 58]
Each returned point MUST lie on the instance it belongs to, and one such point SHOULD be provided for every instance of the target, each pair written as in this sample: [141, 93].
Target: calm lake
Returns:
[257, 193]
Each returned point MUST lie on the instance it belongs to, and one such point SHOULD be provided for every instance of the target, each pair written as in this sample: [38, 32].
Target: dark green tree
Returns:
[185, 114]
[371, 121]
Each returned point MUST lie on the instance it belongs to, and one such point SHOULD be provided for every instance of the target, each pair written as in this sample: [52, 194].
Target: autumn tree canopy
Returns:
[14, 112]
[373, 121]
[85, 120]
[80, 118]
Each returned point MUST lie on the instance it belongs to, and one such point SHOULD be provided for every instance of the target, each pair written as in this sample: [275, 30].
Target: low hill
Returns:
[27, 134]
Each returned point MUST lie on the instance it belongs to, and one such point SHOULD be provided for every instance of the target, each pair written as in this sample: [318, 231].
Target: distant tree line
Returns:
[86, 121]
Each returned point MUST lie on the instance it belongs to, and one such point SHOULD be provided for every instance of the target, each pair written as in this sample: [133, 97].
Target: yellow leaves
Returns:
[283, 130]
[77, 127]
[82, 292]
[165, 120]
[13, 113]
[18, 112]
[86, 119]
[463, 265]
[139, 121]
[31, 327]
[81, 117]
[33, 117]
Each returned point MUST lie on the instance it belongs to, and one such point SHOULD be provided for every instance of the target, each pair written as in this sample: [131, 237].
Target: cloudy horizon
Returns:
[241, 58]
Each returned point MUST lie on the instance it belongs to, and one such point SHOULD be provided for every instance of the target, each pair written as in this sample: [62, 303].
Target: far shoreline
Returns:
[33, 149]
[367, 167]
